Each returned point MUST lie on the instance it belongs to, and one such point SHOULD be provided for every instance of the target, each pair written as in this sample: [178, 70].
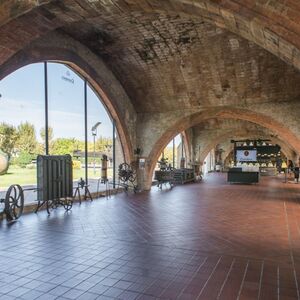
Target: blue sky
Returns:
[23, 100]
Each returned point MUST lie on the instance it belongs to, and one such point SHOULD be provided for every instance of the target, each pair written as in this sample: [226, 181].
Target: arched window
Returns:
[173, 152]
[51, 95]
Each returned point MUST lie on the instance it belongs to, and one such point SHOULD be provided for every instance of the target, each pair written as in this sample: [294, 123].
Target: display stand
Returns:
[237, 175]
[254, 157]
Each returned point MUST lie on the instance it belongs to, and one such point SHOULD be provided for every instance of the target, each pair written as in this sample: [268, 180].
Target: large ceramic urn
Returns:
[4, 162]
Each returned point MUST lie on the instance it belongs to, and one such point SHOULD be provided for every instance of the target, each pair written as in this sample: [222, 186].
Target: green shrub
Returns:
[23, 159]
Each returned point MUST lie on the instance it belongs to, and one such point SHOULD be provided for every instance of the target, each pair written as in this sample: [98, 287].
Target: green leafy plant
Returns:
[23, 159]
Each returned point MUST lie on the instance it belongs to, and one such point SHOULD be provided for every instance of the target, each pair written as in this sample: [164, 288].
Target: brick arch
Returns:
[15, 9]
[223, 137]
[100, 78]
[267, 122]
[186, 144]
[230, 113]
[242, 134]
[273, 27]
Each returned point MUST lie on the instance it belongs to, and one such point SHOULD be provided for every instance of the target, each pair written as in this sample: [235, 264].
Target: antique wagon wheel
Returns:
[132, 176]
[124, 169]
[14, 202]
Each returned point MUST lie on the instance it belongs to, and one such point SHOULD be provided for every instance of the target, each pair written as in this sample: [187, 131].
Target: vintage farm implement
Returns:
[54, 181]
[165, 174]
[54, 187]
[127, 177]
[13, 202]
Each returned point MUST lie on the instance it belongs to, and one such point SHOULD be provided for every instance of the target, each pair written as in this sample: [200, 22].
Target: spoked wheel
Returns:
[127, 175]
[132, 176]
[14, 202]
[124, 170]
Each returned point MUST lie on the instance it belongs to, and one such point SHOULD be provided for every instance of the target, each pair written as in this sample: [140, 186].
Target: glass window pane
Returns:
[66, 115]
[177, 150]
[22, 119]
[100, 140]
[172, 155]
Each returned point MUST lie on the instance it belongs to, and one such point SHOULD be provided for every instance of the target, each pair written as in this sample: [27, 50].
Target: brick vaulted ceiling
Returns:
[222, 130]
[166, 60]
[232, 125]
[210, 133]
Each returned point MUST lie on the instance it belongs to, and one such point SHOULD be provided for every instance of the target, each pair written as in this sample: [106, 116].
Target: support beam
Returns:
[46, 109]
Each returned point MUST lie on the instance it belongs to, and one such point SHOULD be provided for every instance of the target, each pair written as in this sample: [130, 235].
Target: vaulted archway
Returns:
[264, 121]
[90, 67]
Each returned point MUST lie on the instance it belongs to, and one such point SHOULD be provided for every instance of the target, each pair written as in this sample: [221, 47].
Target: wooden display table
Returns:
[182, 176]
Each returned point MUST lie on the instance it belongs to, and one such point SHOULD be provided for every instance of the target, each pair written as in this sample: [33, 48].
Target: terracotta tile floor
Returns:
[199, 241]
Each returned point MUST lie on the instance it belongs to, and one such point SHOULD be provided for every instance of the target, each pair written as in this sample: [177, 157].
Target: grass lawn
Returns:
[28, 176]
